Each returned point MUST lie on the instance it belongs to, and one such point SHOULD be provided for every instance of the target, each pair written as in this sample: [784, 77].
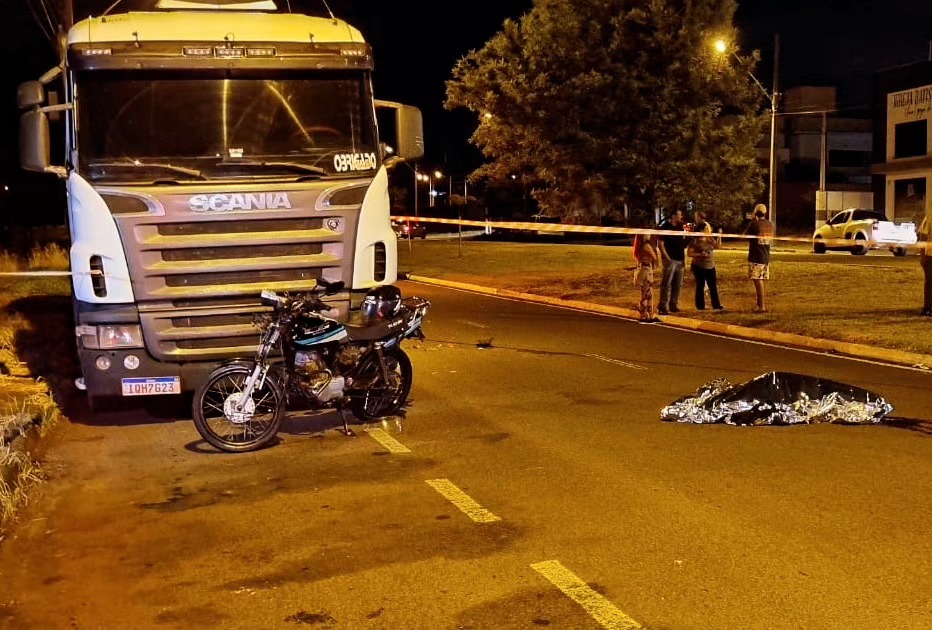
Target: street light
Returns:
[721, 46]
[430, 179]
[417, 178]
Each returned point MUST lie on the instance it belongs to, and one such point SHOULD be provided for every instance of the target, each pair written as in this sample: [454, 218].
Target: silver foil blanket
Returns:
[778, 398]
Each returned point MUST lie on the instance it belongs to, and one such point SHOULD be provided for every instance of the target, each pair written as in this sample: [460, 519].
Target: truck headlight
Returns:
[110, 336]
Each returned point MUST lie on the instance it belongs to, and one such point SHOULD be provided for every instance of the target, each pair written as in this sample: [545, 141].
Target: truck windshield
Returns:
[147, 125]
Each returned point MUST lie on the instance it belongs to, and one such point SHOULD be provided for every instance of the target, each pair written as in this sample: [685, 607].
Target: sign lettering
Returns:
[239, 201]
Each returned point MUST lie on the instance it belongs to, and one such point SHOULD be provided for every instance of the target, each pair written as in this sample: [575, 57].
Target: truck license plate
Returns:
[149, 386]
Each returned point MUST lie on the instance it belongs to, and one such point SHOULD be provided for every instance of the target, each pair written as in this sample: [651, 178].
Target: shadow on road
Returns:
[129, 411]
[45, 344]
[921, 427]
[310, 424]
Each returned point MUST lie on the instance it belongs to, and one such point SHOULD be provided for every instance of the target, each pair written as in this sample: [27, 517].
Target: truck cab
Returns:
[212, 153]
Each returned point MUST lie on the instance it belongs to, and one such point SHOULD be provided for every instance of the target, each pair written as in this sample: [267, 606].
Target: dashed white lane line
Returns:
[391, 444]
[463, 501]
[633, 366]
[598, 607]
[472, 323]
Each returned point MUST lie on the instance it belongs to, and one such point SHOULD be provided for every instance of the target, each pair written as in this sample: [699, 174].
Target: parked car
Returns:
[859, 229]
[406, 229]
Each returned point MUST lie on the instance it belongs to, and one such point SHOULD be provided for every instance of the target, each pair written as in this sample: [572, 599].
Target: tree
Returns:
[602, 103]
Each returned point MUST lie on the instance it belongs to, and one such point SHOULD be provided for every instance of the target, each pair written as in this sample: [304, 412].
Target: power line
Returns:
[47, 30]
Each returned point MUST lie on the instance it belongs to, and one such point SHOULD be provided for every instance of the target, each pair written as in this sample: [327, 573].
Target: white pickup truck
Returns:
[895, 236]
[858, 230]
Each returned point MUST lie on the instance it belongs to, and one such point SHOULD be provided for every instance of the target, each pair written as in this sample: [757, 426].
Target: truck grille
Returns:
[197, 276]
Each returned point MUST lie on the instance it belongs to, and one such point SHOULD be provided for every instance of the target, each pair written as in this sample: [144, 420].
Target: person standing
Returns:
[645, 252]
[701, 251]
[761, 231]
[673, 255]
[925, 260]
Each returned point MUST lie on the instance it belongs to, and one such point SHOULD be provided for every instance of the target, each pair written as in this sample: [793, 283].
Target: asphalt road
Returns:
[556, 499]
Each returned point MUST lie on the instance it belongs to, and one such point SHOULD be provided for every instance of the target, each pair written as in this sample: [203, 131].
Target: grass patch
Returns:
[21, 474]
[9, 263]
[49, 257]
[37, 358]
[871, 300]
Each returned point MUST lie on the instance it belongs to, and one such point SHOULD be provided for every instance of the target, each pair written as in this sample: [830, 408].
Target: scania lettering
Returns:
[238, 201]
[213, 150]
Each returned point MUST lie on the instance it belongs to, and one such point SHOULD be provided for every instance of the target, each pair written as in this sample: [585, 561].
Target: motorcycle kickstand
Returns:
[348, 432]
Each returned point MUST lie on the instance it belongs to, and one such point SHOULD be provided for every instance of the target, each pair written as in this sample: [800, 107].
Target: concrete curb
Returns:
[861, 351]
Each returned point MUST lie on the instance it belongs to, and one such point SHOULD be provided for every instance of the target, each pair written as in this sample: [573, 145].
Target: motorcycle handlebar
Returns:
[279, 302]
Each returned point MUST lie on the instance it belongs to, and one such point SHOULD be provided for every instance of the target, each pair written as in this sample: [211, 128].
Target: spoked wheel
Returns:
[231, 423]
[372, 397]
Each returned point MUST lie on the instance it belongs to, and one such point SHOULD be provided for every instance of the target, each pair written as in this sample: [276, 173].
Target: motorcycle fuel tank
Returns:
[310, 331]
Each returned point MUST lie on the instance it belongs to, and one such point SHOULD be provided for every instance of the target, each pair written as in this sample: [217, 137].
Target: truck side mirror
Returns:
[409, 131]
[34, 143]
[30, 94]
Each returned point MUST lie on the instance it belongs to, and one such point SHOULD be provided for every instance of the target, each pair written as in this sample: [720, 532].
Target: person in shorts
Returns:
[761, 232]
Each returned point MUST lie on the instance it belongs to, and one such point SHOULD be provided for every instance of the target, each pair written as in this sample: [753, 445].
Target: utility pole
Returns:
[774, 103]
[67, 15]
[415, 190]
[823, 157]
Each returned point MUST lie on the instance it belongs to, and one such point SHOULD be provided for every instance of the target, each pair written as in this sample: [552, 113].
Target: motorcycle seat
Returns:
[358, 329]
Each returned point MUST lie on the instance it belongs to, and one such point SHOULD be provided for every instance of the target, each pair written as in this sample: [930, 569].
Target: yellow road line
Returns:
[391, 444]
[598, 607]
[462, 500]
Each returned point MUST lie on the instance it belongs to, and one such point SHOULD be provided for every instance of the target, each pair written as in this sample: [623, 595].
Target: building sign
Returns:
[909, 114]
[915, 104]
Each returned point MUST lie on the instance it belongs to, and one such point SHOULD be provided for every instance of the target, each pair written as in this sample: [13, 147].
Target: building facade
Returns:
[902, 143]
[817, 143]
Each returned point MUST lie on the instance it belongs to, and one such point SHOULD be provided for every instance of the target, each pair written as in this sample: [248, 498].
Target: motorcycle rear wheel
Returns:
[372, 398]
[226, 429]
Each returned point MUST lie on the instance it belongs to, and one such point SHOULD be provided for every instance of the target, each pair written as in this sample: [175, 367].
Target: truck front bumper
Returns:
[108, 381]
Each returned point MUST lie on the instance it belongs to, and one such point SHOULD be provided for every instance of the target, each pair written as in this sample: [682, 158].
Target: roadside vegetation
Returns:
[35, 360]
[872, 300]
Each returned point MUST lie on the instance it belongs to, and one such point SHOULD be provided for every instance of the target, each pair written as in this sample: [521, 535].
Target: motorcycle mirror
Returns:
[269, 297]
[330, 288]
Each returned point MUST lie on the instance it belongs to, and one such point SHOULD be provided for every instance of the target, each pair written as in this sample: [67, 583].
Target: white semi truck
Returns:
[212, 151]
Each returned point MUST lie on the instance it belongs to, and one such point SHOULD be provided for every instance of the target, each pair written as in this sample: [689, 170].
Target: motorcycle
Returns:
[323, 363]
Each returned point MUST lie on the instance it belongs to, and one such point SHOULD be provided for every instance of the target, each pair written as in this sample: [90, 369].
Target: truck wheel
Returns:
[899, 251]
[860, 248]
[818, 246]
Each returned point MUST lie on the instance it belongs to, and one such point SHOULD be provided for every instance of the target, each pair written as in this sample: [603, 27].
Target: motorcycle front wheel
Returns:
[229, 423]
[373, 398]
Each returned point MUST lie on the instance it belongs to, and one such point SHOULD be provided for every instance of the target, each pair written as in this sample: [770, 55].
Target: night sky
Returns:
[416, 43]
